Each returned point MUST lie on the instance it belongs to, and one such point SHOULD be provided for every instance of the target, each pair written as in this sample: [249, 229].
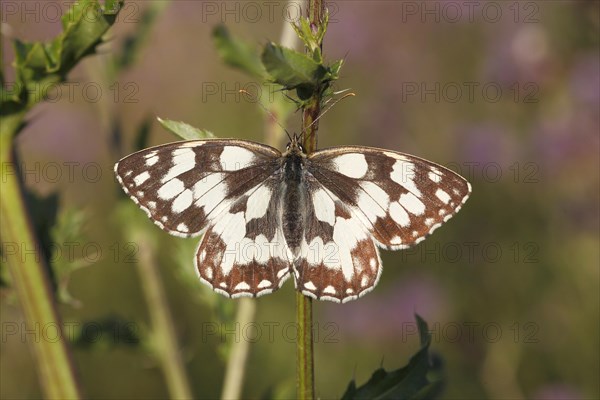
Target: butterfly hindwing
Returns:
[244, 252]
[183, 186]
[338, 258]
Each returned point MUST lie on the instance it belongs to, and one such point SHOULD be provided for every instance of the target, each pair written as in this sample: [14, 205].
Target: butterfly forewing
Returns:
[398, 197]
[183, 186]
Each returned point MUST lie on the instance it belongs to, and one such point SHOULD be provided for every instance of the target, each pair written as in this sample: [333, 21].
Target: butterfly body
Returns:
[266, 216]
[293, 189]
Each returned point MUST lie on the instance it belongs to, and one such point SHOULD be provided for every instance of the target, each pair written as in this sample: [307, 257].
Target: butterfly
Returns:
[266, 215]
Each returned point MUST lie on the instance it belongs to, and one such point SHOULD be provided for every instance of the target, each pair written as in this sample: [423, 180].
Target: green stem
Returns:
[29, 276]
[164, 339]
[305, 351]
[305, 368]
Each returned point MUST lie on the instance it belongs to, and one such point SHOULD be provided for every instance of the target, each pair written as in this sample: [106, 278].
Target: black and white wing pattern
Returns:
[363, 198]
[223, 188]
[265, 214]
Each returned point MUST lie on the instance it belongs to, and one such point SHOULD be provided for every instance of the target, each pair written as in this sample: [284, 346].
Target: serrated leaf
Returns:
[409, 382]
[237, 53]
[185, 131]
[305, 33]
[290, 68]
[38, 65]
[312, 40]
[84, 25]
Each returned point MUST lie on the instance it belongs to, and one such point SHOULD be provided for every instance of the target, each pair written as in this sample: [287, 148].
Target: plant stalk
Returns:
[29, 275]
[164, 339]
[305, 347]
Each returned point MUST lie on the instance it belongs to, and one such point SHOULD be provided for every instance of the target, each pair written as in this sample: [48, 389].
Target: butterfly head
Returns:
[294, 146]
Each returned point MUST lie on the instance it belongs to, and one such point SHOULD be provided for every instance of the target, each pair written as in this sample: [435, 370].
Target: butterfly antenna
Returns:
[351, 94]
[269, 112]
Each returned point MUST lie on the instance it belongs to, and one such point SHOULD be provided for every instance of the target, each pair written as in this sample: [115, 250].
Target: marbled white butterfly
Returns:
[266, 215]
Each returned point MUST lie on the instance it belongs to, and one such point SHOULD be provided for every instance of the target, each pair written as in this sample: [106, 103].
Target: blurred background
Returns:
[505, 93]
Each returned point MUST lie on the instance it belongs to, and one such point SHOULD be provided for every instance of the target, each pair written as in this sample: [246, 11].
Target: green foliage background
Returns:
[509, 287]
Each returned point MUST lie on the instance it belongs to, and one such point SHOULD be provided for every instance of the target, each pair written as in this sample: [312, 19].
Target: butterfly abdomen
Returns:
[294, 199]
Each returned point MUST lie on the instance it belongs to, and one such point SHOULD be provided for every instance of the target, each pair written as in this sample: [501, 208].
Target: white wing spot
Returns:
[377, 193]
[349, 291]
[443, 196]
[346, 234]
[323, 206]
[372, 263]
[258, 202]
[415, 233]
[399, 214]
[151, 161]
[234, 158]
[128, 173]
[412, 204]
[403, 173]
[141, 178]
[364, 281]
[170, 189]
[152, 205]
[210, 192]
[441, 211]
[353, 165]
[329, 290]
[369, 207]
[282, 272]
[183, 201]
[223, 284]
[264, 283]
[429, 221]
[310, 286]
[242, 286]
[183, 161]
[232, 229]
[208, 272]
[183, 227]
[396, 240]
[184, 154]
[434, 177]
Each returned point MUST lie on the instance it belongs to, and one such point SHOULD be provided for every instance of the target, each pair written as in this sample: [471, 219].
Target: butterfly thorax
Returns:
[293, 198]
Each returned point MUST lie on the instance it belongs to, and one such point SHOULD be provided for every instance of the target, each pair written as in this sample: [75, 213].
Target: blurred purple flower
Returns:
[488, 143]
[519, 55]
[585, 81]
[418, 294]
[557, 391]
